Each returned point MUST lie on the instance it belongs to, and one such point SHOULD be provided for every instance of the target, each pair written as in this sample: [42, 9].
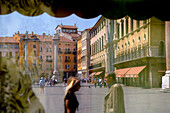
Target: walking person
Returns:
[42, 85]
[70, 100]
[114, 99]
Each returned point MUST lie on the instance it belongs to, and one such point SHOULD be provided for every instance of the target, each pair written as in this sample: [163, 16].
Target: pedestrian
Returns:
[100, 82]
[114, 99]
[42, 85]
[70, 100]
[95, 82]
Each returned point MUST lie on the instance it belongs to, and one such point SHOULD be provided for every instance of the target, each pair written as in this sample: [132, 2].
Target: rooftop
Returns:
[7, 40]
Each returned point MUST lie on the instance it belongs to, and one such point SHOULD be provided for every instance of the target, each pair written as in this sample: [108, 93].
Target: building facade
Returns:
[85, 58]
[140, 51]
[67, 59]
[68, 48]
[97, 45]
[79, 55]
[9, 48]
[33, 53]
[46, 54]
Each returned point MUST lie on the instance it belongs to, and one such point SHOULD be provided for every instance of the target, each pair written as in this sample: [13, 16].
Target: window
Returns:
[34, 45]
[5, 46]
[128, 44]
[1, 46]
[127, 26]
[122, 28]
[46, 49]
[133, 41]
[139, 39]
[34, 62]
[16, 47]
[117, 27]
[50, 50]
[40, 49]
[11, 46]
[67, 66]
[125, 45]
[35, 53]
[144, 38]
[131, 25]
[10, 54]
[40, 66]
[75, 59]
[122, 46]
[74, 66]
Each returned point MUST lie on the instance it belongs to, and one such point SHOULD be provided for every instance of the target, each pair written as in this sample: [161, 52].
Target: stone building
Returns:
[67, 59]
[97, 43]
[68, 49]
[79, 54]
[46, 51]
[9, 48]
[33, 53]
[140, 51]
[85, 58]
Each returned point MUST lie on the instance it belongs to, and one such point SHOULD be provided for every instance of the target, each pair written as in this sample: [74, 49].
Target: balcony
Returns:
[60, 52]
[48, 60]
[67, 60]
[74, 52]
[67, 52]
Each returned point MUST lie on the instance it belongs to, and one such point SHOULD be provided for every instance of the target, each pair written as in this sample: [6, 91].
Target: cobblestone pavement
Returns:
[137, 100]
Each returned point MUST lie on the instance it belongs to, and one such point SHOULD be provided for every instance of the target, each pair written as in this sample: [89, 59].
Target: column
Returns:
[55, 39]
[166, 78]
[26, 53]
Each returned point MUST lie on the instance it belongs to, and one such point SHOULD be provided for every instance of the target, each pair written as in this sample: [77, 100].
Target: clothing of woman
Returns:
[70, 100]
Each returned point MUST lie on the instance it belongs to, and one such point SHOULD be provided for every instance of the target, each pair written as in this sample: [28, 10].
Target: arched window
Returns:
[133, 41]
[144, 38]
[139, 39]
[128, 44]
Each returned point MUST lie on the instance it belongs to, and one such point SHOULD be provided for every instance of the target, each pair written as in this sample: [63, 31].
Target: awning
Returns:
[98, 73]
[137, 9]
[92, 74]
[121, 72]
[106, 75]
[134, 71]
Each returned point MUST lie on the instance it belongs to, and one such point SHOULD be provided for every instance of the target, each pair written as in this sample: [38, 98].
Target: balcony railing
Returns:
[48, 60]
[139, 53]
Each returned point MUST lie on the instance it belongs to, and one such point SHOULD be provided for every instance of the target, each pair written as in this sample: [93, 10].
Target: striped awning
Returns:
[98, 73]
[121, 72]
[131, 72]
[92, 74]
[134, 71]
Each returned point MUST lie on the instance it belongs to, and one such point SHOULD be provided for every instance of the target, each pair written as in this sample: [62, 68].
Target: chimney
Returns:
[75, 24]
[43, 35]
[18, 32]
[61, 24]
[32, 33]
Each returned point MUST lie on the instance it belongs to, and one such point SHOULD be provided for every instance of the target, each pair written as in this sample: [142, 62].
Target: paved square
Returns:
[91, 100]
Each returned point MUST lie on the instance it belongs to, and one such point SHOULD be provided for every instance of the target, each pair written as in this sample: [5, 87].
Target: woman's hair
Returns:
[72, 81]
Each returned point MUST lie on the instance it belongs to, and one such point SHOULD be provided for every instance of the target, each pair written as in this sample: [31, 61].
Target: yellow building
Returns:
[97, 43]
[140, 51]
[33, 53]
[79, 54]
